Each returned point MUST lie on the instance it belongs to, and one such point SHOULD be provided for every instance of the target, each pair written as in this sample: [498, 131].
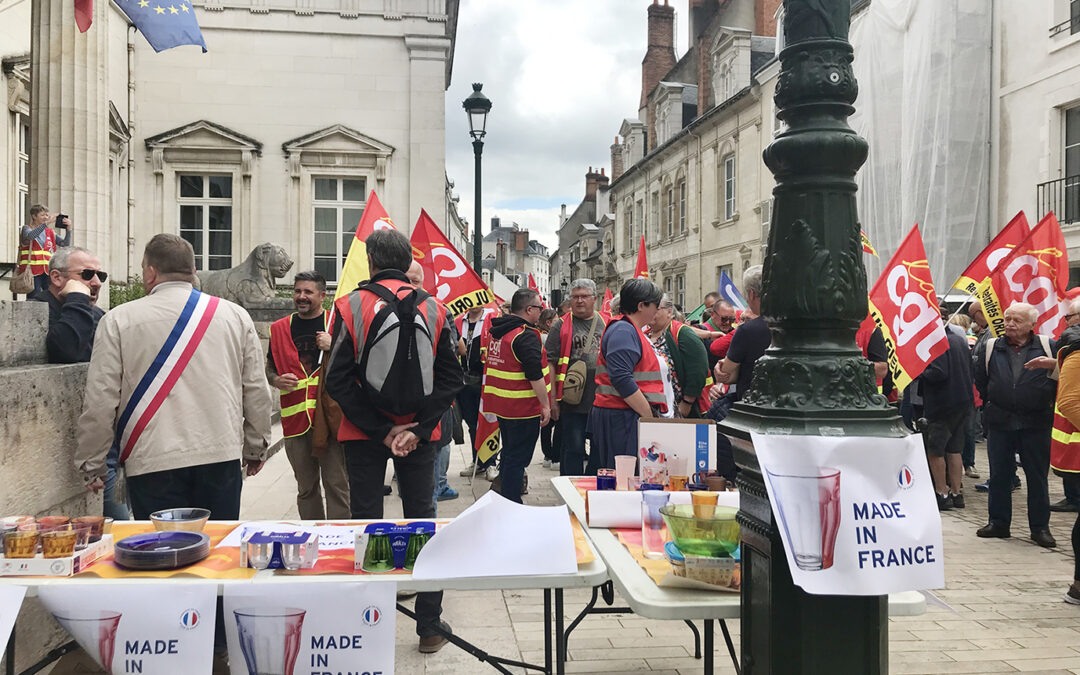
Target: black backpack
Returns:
[397, 358]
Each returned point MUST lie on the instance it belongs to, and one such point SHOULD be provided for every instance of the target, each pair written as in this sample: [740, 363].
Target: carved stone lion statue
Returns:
[251, 283]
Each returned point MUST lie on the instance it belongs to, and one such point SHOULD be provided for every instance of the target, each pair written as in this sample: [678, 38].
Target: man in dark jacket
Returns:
[1018, 406]
[947, 404]
[75, 278]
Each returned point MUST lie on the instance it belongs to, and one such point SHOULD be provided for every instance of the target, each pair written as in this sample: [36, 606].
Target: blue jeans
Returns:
[572, 436]
[518, 443]
[442, 463]
[110, 507]
[1034, 448]
[968, 453]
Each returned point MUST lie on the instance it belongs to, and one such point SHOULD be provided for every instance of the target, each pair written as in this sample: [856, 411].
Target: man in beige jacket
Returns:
[184, 433]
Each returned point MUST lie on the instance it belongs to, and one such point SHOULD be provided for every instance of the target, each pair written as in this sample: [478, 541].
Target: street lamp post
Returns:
[813, 379]
[477, 107]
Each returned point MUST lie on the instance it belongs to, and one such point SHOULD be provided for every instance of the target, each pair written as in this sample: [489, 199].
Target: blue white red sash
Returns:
[163, 373]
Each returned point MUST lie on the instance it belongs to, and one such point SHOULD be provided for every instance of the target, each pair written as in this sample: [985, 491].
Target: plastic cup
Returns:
[60, 543]
[704, 502]
[653, 528]
[96, 523]
[605, 479]
[20, 543]
[625, 466]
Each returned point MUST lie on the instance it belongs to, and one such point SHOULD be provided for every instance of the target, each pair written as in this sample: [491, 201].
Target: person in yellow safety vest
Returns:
[629, 380]
[38, 242]
[516, 387]
[299, 344]
[1065, 437]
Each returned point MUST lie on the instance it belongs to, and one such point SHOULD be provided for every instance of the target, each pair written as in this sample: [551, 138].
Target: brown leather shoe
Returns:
[433, 643]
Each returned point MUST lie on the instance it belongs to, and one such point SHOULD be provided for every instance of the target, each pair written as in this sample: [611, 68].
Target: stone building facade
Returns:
[278, 133]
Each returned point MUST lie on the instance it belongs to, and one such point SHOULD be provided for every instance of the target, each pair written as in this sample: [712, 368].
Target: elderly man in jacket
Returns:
[1019, 412]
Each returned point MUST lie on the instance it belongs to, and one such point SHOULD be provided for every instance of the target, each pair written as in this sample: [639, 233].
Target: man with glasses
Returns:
[516, 386]
[575, 337]
[75, 279]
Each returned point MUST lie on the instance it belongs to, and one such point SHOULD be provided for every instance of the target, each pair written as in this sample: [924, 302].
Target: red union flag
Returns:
[446, 275]
[999, 249]
[641, 270]
[1035, 272]
[904, 307]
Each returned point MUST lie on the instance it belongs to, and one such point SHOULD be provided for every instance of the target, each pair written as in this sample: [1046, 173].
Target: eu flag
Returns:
[164, 23]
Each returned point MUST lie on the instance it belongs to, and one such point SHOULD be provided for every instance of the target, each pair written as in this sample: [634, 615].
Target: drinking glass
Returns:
[625, 466]
[83, 534]
[653, 529]
[59, 543]
[90, 627]
[96, 523]
[379, 555]
[292, 556]
[20, 543]
[259, 555]
[605, 479]
[808, 499]
[417, 540]
[270, 638]
[703, 502]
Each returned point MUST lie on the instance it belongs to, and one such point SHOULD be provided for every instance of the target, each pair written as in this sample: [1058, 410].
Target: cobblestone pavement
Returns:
[1001, 610]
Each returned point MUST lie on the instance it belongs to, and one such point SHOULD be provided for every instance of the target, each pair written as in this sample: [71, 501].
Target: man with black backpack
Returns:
[394, 372]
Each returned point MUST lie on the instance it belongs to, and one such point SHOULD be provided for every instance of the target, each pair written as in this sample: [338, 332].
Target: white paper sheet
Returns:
[498, 537]
[622, 508]
[11, 598]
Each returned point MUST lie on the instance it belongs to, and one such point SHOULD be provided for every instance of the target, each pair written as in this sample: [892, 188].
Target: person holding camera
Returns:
[38, 241]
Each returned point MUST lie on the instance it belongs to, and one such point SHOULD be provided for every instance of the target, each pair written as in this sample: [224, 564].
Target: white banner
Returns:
[314, 629]
[164, 629]
[11, 598]
[857, 515]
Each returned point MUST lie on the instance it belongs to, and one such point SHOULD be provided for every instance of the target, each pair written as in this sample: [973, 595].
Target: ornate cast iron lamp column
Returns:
[813, 380]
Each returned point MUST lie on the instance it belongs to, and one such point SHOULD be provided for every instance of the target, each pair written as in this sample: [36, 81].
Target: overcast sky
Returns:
[561, 75]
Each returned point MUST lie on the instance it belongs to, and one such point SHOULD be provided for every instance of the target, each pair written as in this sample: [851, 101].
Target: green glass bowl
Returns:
[715, 535]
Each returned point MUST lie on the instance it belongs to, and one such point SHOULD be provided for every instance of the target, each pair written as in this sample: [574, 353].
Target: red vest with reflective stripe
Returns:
[566, 339]
[1064, 441]
[703, 397]
[37, 256]
[507, 393]
[646, 374]
[358, 310]
[298, 405]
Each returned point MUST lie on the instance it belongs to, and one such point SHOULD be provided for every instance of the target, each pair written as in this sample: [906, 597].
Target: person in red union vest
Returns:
[516, 387]
[393, 392]
[294, 365]
[38, 242]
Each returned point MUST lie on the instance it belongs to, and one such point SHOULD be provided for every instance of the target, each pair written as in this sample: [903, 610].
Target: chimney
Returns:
[765, 17]
[616, 159]
[562, 216]
[660, 55]
[494, 223]
[592, 180]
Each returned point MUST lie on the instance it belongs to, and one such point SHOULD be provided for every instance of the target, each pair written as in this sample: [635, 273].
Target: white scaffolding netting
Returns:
[923, 68]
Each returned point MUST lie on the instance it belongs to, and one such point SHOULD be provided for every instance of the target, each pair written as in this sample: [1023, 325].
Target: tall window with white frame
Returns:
[682, 205]
[729, 187]
[337, 205]
[206, 218]
[22, 172]
[1072, 167]
[667, 286]
[669, 208]
[639, 218]
[680, 290]
[629, 227]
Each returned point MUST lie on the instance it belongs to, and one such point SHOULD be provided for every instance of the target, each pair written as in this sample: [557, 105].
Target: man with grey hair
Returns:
[1019, 410]
[575, 338]
[750, 341]
[75, 279]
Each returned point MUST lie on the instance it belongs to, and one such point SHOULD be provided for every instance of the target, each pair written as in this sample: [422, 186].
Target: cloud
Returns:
[561, 75]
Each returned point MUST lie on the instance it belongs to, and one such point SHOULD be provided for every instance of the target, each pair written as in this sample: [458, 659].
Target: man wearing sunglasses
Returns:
[75, 279]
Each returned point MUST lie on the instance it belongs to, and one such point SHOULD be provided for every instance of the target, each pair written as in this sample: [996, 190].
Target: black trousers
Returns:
[1034, 448]
[206, 486]
[366, 464]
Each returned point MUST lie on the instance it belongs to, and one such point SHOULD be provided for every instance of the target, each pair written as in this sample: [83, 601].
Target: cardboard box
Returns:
[694, 440]
[56, 567]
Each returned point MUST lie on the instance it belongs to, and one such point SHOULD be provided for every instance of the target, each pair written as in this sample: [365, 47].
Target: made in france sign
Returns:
[857, 515]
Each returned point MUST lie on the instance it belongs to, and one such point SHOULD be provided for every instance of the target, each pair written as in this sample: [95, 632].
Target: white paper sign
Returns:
[164, 629]
[331, 537]
[497, 537]
[11, 598]
[314, 629]
[857, 515]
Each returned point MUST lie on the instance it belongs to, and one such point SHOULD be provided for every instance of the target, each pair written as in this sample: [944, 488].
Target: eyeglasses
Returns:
[88, 274]
[581, 297]
[540, 307]
[1069, 316]
[726, 319]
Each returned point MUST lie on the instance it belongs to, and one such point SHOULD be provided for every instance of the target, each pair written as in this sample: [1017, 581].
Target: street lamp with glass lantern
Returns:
[477, 107]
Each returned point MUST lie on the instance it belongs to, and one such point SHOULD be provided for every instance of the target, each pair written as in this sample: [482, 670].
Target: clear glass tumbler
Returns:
[270, 638]
[93, 627]
[653, 529]
[808, 499]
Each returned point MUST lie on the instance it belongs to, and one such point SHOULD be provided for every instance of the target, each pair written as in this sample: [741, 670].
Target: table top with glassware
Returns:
[648, 599]
[194, 545]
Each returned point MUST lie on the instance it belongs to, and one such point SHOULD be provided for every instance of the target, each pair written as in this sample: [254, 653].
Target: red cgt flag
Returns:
[642, 268]
[84, 14]
[446, 274]
[998, 249]
[1035, 272]
[534, 287]
[904, 307]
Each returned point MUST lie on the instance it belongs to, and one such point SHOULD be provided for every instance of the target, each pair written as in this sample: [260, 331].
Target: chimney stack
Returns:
[616, 159]
[660, 55]
[592, 181]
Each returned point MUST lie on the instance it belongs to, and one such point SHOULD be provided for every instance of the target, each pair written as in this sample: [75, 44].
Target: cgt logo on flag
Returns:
[905, 478]
[190, 618]
[371, 615]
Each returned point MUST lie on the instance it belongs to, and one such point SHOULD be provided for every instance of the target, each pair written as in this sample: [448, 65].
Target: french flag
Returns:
[84, 14]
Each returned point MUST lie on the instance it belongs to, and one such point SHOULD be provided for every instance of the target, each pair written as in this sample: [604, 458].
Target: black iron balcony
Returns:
[1070, 25]
[1062, 196]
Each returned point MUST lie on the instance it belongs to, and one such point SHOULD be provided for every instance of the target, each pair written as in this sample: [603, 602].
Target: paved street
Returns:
[1000, 613]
